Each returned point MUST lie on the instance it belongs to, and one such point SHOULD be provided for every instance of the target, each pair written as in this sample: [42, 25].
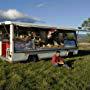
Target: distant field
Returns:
[84, 46]
[42, 75]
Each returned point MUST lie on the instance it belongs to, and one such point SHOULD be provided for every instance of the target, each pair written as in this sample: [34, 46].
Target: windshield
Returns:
[70, 40]
[4, 33]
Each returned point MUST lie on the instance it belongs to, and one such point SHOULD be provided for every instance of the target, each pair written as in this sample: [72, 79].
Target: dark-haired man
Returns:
[57, 60]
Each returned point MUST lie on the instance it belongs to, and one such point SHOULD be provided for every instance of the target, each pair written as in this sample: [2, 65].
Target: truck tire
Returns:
[70, 54]
[33, 58]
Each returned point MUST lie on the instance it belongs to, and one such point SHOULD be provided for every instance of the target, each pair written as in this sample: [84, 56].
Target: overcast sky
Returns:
[54, 12]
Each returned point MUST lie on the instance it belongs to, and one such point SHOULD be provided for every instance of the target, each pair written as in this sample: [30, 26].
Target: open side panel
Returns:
[28, 39]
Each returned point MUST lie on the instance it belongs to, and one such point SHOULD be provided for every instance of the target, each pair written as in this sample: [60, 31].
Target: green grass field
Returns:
[42, 75]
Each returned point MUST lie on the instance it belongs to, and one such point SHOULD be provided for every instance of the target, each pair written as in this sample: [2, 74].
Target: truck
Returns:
[20, 41]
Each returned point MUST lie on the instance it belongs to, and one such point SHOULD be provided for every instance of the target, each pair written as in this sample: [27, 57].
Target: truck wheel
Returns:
[70, 54]
[33, 58]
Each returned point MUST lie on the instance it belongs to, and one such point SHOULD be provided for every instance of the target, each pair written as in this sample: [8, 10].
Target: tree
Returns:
[86, 24]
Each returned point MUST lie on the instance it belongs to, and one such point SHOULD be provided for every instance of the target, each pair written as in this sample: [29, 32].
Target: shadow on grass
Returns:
[83, 52]
[80, 53]
[69, 62]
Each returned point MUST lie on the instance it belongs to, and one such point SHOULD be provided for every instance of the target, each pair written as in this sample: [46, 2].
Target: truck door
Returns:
[5, 44]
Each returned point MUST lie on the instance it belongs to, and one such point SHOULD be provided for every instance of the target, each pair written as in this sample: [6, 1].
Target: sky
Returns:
[70, 13]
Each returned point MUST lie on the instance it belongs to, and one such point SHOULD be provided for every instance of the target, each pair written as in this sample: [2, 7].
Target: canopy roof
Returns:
[23, 24]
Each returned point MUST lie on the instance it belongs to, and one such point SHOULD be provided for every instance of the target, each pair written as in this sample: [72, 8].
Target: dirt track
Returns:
[84, 46]
[84, 43]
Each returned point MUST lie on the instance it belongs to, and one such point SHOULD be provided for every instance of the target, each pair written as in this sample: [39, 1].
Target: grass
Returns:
[42, 75]
[84, 46]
